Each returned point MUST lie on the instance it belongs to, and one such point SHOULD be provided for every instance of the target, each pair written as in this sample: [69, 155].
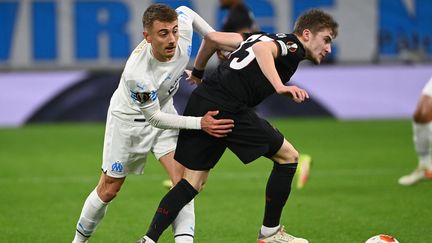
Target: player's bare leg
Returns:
[422, 136]
[95, 206]
[184, 223]
[277, 192]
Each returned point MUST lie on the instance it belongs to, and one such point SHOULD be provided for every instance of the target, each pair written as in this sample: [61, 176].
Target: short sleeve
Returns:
[289, 51]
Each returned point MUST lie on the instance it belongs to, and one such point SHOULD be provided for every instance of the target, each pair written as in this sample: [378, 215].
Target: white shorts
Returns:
[427, 90]
[127, 144]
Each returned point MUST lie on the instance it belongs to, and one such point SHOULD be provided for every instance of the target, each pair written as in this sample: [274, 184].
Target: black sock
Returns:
[277, 192]
[169, 207]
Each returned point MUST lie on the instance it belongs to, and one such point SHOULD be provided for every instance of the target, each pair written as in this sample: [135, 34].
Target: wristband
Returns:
[198, 73]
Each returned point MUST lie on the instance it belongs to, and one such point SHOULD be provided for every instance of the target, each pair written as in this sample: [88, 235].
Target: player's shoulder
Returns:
[289, 44]
[138, 61]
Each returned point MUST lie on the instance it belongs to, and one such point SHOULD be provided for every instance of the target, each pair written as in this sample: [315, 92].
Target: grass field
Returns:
[47, 172]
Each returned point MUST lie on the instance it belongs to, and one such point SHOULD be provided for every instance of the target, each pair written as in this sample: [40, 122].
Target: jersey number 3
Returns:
[238, 63]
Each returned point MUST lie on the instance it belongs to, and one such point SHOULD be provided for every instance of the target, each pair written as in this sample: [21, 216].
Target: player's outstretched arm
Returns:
[265, 53]
[214, 41]
[207, 123]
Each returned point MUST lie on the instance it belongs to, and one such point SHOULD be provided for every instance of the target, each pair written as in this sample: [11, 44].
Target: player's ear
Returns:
[306, 34]
[147, 36]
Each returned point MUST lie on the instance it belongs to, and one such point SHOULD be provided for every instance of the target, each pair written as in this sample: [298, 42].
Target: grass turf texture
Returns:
[48, 170]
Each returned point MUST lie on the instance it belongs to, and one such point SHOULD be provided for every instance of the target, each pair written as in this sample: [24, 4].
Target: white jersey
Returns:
[148, 84]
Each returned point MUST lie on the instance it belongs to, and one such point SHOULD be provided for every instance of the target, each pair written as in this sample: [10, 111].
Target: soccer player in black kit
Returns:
[259, 65]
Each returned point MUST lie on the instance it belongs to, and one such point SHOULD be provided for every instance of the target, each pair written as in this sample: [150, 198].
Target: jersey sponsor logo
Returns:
[117, 167]
[281, 35]
[291, 46]
[142, 97]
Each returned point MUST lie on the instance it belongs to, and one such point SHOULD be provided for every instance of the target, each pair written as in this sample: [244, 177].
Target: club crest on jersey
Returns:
[291, 46]
[142, 97]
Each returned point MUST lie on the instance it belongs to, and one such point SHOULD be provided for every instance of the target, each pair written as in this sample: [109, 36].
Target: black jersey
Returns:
[239, 83]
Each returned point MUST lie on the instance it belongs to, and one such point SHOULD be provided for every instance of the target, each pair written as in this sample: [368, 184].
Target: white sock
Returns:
[422, 135]
[92, 213]
[184, 224]
[267, 231]
[148, 239]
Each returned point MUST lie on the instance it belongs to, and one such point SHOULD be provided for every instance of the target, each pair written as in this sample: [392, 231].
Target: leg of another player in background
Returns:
[95, 206]
[184, 223]
[277, 193]
[422, 136]
[182, 193]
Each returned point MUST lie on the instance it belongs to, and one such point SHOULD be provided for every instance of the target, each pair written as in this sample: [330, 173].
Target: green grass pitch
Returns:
[48, 170]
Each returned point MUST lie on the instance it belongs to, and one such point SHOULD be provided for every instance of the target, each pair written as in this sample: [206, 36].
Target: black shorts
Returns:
[251, 138]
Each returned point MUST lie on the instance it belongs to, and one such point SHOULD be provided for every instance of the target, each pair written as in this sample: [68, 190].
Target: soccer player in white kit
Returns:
[142, 118]
[422, 134]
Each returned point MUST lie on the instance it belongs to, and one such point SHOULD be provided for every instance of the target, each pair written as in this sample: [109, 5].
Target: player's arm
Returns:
[210, 44]
[265, 54]
[214, 127]
[216, 41]
[145, 98]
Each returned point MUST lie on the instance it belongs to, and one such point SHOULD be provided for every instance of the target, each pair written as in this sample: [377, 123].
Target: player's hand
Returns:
[192, 79]
[216, 127]
[294, 92]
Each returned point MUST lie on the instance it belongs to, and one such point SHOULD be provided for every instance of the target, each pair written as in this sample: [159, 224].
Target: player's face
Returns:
[163, 37]
[319, 45]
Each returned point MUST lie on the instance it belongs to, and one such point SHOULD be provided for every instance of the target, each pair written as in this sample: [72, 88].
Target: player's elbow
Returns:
[184, 8]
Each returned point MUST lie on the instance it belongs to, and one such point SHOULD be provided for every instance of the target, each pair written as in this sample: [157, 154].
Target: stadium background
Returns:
[61, 60]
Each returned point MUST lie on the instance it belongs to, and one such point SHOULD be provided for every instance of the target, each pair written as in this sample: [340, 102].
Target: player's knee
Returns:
[176, 178]
[202, 186]
[292, 156]
[107, 196]
[198, 185]
[423, 112]
[289, 156]
[108, 192]
[422, 116]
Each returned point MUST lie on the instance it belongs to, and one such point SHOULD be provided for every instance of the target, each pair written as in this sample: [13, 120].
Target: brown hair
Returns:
[316, 20]
[160, 12]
